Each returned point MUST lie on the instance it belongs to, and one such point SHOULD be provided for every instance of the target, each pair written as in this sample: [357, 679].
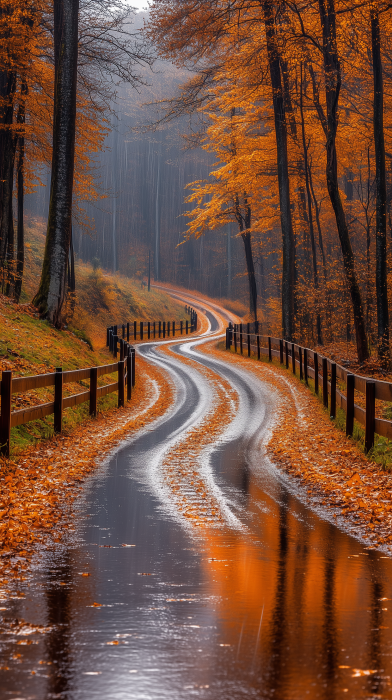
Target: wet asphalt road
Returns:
[276, 602]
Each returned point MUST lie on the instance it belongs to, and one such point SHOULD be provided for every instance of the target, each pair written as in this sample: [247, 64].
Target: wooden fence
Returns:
[145, 330]
[325, 374]
[125, 369]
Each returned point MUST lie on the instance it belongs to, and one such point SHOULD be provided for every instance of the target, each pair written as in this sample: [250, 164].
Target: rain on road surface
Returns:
[267, 599]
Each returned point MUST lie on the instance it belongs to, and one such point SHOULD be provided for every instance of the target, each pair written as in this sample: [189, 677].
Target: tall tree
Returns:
[53, 285]
[288, 246]
[20, 252]
[381, 193]
[333, 82]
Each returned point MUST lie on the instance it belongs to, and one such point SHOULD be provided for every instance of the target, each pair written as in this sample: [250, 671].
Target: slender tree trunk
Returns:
[332, 87]
[71, 266]
[288, 273]
[381, 194]
[157, 258]
[244, 223]
[20, 201]
[20, 231]
[53, 285]
[71, 280]
[229, 261]
[114, 180]
[246, 237]
[7, 155]
[310, 213]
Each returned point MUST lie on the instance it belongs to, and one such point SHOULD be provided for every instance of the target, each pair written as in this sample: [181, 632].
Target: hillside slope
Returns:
[29, 345]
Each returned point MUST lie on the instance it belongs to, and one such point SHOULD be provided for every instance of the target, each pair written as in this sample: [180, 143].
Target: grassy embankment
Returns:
[29, 345]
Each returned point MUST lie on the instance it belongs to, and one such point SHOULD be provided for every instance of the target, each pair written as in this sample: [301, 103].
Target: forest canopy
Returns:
[294, 99]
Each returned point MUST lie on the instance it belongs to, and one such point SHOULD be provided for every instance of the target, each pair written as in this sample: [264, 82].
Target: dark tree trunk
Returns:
[71, 301]
[246, 237]
[288, 246]
[332, 87]
[71, 267]
[7, 157]
[20, 185]
[310, 213]
[20, 232]
[53, 285]
[244, 223]
[381, 195]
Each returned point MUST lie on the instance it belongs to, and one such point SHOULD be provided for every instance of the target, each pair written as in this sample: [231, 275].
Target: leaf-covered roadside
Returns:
[38, 489]
[307, 445]
[189, 487]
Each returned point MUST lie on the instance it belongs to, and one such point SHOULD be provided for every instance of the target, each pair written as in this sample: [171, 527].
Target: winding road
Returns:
[208, 576]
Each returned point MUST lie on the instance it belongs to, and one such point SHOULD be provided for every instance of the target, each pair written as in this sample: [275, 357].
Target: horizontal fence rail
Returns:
[145, 330]
[126, 374]
[326, 375]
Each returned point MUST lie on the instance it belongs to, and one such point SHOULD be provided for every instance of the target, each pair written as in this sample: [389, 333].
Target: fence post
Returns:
[235, 341]
[333, 389]
[258, 347]
[141, 330]
[306, 365]
[129, 373]
[350, 381]
[58, 400]
[164, 329]
[107, 337]
[115, 339]
[5, 420]
[121, 386]
[128, 332]
[133, 366]
[227, 339]
[241, 338]
[269, 349]
[370, 414]
[159, 329]
[115, 330]
[149, 330]
[325, 382]
[153, 329]
[293, 357]
[286, 347]
[301, 374]
[180, 327]
[316, 374]
[123, 330]
[186, 327]
[248, 343]
[281, 351]
[110, 340]
[93, 390]
[121, 349]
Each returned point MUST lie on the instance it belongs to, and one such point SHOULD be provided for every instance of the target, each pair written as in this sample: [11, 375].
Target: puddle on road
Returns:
[289, 608]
